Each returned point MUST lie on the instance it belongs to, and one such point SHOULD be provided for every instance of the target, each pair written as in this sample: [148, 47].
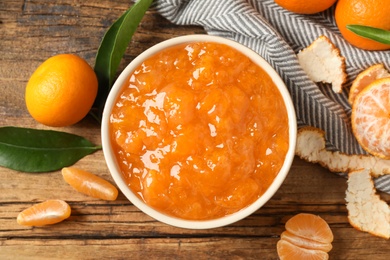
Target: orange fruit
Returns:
[307, 236]
[374, 13]
[366, 77]
[89, 184]
[45, 213]
[304, 6]
[370, 118]
[61, 91]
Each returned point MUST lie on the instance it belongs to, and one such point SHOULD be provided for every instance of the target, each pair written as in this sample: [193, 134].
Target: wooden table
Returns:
[32, 31]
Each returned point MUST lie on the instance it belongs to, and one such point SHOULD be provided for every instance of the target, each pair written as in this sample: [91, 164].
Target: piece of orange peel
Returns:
[322, 62]
[366, 211]
[311, 147]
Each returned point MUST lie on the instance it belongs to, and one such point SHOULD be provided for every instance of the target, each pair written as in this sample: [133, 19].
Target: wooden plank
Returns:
[173, 248]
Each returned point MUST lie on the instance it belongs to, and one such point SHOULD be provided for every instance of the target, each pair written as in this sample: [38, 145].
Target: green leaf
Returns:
[113, 47]
[376, 34]
[33, 150]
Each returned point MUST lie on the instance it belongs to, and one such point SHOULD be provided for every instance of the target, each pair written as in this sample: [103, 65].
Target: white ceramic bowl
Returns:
[201, 224]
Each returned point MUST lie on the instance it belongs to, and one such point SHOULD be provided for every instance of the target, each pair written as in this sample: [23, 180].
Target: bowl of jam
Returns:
[199, 132]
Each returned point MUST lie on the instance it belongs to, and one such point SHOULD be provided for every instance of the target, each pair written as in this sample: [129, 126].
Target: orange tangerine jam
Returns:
[199, 131]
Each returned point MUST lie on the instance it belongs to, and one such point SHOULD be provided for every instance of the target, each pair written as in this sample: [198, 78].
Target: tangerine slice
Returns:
[289, 251]
[371, 118]
[45, 213]
[366, 77]
[305, 243]
[311, 227]
[307, 237]
[89, 184]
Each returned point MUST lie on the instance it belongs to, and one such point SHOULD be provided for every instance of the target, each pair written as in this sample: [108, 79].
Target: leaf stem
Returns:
[95, 116]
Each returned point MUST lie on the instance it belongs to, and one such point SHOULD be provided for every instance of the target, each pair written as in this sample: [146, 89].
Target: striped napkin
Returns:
[277, 35]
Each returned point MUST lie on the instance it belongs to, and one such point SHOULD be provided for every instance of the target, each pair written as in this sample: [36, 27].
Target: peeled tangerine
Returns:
[370, 118]
[89, 184]
[45, 213]
[307, 236]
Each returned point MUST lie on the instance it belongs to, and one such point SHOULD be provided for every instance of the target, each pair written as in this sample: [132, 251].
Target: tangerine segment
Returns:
[89, 184]
[371, 118]
[305, 243]
[289, 251]
[45, 213]
[310, 227]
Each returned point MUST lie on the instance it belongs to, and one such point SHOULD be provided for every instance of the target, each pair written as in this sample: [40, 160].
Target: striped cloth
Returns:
[277, 35]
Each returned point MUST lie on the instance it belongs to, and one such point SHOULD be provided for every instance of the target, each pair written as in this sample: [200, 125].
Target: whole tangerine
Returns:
[61, 91]
[372, 13]
[304, 6]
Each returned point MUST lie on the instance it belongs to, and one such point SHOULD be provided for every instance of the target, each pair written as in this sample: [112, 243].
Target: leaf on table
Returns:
[33, 150]
[113, 47]
[376, 34]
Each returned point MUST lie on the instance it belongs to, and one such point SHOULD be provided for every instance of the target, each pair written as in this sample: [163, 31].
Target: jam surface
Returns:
[199, 131]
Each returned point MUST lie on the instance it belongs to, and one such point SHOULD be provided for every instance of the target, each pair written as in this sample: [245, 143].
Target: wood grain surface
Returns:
[32, 31]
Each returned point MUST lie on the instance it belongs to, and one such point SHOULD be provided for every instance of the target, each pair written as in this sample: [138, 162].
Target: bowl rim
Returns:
[197, 224]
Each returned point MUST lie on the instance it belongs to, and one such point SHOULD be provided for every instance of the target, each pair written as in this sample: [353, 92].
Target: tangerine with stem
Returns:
[373, 13]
